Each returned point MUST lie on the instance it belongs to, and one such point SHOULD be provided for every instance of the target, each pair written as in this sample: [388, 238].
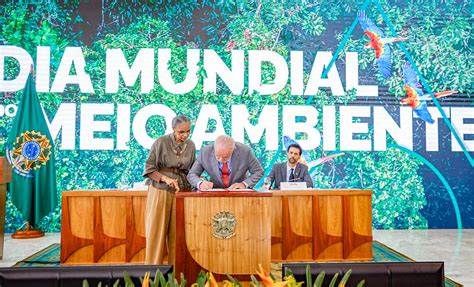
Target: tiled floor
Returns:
[15, 250]
[455, 248]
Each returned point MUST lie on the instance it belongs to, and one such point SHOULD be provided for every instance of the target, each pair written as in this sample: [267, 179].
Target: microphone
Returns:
[268, 182]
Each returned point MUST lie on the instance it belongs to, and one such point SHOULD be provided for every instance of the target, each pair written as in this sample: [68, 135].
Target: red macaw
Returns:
[379, 43]
[416, 98]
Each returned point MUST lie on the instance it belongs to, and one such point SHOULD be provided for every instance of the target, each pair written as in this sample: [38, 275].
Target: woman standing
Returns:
[170, 158]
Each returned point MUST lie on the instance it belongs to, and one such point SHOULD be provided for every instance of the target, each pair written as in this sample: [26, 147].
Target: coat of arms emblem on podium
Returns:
[223, 225]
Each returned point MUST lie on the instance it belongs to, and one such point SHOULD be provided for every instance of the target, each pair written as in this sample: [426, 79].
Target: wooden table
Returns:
[108, 226]
[103, 226]
[321, 225]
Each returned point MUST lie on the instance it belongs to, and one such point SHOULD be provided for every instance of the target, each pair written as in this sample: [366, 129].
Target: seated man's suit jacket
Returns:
[278, 174]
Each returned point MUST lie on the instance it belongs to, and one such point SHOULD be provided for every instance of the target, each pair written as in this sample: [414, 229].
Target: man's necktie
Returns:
[225, 174]
[292, 175]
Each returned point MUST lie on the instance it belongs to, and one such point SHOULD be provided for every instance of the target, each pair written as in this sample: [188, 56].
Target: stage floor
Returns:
[455, 248]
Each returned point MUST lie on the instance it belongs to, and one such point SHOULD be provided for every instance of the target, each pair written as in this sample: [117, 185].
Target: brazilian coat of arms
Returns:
[223, 225]
[29, 152]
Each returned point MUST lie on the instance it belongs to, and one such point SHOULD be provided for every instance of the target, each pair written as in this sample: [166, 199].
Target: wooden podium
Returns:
[222, 232]
[5, 177]
[104, 227]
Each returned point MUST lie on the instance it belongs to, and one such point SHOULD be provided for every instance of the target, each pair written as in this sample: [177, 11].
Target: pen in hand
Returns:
[206, 185]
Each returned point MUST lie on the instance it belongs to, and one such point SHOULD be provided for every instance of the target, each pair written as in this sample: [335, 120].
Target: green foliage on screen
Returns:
[399, 195]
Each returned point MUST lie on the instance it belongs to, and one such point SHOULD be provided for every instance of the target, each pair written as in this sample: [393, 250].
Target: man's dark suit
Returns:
[278, 174]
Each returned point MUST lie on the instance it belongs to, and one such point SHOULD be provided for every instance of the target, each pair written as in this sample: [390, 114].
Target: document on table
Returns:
[241, 189]
[226, 189]
[215, 189]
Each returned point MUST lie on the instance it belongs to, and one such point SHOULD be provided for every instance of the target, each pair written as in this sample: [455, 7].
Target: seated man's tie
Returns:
[292, 175]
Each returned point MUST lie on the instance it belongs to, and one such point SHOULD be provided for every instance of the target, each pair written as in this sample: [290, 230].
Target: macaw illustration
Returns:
[416, 98]
[379, 43]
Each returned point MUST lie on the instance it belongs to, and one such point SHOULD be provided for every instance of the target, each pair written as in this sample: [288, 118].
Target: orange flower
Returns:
[211, 282]
[267, 280]
[146, 280]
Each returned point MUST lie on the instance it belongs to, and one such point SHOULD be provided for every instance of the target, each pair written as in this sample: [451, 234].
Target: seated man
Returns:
[291, 170]
[227, 163]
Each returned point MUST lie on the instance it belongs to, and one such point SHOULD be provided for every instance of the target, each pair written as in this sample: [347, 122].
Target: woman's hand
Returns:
[170, 182]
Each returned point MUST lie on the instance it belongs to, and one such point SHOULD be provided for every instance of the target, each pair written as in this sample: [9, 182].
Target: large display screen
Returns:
[112, 75]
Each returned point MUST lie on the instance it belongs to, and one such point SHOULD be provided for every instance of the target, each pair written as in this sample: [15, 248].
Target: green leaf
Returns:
[288, 272]
[128, 280]
[333, 280]
[255, 281]
[201, 279]
[320, 279]
[309, 279]
[234, 281]
[345, 277]
[162, 279]
[183, 281]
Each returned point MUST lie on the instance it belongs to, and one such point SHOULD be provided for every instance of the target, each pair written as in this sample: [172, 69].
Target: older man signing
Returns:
[229, 164]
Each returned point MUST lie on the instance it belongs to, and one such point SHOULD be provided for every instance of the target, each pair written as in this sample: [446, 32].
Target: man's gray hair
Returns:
[224, 141]
[179, 120]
